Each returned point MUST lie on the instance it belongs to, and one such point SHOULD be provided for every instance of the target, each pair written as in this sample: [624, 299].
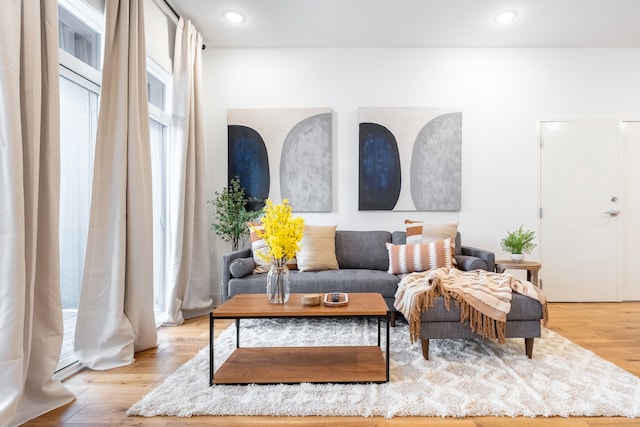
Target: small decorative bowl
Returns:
[310, 300]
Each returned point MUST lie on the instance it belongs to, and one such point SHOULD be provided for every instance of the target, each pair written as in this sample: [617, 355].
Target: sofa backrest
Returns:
[400, 238]
[362, 249]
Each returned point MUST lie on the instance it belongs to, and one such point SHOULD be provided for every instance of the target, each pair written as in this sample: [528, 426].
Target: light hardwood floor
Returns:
[611, 330]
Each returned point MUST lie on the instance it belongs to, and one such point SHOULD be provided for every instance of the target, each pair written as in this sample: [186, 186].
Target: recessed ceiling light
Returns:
[506, 16]
[233, 16]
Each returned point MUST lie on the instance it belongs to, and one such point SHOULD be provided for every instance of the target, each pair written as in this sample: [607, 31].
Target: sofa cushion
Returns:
[419, 232]
[258, 245]
[251, 284]
[419, 257]
[522, 308]
[400, 238]
[317, 248]
[343, 280]
[362, 249]
[240, 267]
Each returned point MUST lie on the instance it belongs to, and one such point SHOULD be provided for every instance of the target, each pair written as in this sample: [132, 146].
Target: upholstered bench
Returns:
[523, 321]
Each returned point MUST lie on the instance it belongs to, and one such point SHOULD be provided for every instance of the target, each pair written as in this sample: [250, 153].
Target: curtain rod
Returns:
[171, 8]
[178, 16]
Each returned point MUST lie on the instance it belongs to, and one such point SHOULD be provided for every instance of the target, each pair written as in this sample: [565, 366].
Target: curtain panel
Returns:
[30, 302]
[189, 287]
[115, 313]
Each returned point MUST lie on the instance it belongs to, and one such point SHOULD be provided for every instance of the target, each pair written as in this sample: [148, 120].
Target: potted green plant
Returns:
[231, 214]
[518, 243]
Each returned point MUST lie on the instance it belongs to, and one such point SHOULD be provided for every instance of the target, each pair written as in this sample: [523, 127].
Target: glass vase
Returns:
[278, 288]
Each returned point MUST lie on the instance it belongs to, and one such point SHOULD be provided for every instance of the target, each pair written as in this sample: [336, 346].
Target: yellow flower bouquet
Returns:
[282, 234]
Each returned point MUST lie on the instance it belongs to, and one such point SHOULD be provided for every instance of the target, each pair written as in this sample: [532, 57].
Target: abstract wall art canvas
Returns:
[283, 153]
[410, 159]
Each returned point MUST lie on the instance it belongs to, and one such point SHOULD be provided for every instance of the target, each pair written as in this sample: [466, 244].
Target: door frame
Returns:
[619, 179]
[622, 184]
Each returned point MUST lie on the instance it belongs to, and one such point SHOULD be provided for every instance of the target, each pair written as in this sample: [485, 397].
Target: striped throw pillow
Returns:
[258, 245]
[419, 257]
[419, 232]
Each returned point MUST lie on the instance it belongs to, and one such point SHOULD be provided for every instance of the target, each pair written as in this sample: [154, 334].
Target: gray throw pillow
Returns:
[240, 267]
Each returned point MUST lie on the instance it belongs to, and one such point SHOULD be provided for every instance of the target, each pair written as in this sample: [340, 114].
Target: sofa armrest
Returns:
[226, 273]
[487, 256]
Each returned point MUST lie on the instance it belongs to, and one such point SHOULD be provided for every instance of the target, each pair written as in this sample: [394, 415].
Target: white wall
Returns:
[502, 93]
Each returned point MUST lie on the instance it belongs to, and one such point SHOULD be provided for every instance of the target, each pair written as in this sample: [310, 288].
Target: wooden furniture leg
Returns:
[528, 347]
[425, 349]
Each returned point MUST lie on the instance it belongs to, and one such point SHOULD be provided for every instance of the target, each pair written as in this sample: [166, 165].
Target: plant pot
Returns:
[517, 257]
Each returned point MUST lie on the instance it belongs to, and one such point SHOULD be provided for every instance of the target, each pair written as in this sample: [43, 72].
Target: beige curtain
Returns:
[115, 314]
[189, 288]
[30, 305]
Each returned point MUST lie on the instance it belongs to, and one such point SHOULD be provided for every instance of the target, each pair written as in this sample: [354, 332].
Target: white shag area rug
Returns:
[462, 378]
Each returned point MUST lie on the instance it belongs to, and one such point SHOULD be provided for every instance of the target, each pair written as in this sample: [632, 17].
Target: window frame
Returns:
[90, 79]
[163, 117]
[94, 20]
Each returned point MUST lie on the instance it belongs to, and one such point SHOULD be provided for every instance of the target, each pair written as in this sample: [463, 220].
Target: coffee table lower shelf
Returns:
[292, 365]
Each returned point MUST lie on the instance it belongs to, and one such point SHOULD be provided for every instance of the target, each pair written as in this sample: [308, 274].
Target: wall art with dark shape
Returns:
[283, 153]
[379, 171]
[410, 159]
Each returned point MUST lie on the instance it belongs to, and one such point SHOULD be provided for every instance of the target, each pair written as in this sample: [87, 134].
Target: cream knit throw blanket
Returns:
[484, 298]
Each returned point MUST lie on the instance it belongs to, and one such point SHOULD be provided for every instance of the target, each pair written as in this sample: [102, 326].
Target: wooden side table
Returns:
[532, 268]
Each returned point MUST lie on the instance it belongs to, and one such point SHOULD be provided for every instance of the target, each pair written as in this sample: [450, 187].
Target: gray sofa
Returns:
[363, 260]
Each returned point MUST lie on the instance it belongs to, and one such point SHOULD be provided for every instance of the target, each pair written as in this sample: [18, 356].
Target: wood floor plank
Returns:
[611, 330]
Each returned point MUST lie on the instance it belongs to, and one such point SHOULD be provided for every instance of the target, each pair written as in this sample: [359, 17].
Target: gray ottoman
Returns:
[523, 321]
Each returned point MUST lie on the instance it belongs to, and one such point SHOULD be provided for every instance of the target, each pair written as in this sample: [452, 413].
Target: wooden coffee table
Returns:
[292, 365]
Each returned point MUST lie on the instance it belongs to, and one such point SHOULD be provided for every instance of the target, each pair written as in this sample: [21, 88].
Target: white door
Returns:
[578, 198]
[630, 207]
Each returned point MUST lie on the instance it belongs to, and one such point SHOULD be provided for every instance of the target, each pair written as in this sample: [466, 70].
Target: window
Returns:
[81, 32]
[80, 39]
[156, 88]
[78, 122]
[159, 91]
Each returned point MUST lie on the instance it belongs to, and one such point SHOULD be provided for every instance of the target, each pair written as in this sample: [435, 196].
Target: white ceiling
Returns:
[415, 23]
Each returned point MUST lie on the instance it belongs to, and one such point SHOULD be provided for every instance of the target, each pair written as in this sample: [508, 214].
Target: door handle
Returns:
[613, 212]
